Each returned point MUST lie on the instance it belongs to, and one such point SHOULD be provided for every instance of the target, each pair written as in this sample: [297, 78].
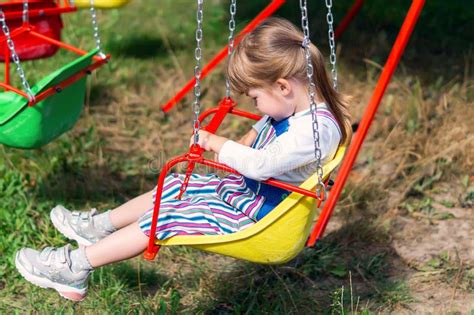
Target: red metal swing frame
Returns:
[29, 30]
[227, 106]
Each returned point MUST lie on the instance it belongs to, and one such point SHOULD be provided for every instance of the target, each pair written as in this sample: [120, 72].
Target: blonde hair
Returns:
[274, 50]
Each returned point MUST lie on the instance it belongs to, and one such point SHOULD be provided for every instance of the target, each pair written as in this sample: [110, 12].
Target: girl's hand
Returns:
[209, 141]
[203, 139]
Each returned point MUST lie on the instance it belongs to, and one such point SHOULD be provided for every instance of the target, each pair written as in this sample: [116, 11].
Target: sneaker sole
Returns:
[65, 291]
[68, 232]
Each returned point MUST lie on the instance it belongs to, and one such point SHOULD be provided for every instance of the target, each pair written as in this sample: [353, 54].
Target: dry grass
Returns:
[420, 143]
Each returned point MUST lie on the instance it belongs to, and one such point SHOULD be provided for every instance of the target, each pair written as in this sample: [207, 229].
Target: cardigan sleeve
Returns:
[289, 151]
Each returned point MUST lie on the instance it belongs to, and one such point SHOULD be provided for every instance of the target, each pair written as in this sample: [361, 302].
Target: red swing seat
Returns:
[44, 17]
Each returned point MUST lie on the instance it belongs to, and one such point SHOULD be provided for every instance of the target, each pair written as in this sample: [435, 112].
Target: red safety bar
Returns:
[30, 31]
[367, 118]
[228, 105]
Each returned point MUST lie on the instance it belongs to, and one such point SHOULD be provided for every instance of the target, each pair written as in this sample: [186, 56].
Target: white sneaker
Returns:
[77, 225]
[51, 268]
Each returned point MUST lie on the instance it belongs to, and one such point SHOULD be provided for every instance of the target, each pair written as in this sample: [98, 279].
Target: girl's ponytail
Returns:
[337, 102]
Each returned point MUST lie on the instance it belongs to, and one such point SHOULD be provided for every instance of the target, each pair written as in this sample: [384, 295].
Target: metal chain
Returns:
[197, 71]
[332, 43]
[320, 187]
[233, 11]
[95, 27]
[25, 11]
[15, 58]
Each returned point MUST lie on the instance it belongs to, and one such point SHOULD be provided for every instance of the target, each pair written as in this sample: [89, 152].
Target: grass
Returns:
[421, 138]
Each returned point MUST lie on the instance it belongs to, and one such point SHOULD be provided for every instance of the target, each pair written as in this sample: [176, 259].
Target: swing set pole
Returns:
[348, 18]
[369, 114]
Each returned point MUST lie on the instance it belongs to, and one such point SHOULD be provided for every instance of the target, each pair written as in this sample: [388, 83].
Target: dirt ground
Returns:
[417, 241]
[421, 242]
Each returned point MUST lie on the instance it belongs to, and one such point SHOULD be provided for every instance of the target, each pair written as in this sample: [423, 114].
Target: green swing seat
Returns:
[27, 127]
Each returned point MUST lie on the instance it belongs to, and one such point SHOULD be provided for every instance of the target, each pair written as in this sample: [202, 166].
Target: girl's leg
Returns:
[88, 227]
[131, 211]
[134, 209]
[123, 244]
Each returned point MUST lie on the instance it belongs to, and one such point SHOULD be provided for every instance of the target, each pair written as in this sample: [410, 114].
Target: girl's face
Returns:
[272, 101]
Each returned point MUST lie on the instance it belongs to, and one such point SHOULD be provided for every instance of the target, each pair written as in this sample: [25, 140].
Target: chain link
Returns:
[332, 43]
[15, 58]
[320, 187]
[197, 72]
[95, 28]
[25, 11]
[233, 11]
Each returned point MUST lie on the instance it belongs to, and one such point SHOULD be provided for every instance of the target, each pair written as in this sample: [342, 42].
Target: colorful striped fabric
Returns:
[200, 210]
[212, 205]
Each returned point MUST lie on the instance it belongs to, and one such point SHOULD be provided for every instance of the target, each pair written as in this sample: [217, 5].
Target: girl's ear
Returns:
[283, 86]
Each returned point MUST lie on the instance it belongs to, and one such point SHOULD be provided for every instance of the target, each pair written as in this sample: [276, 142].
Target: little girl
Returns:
[268, 66]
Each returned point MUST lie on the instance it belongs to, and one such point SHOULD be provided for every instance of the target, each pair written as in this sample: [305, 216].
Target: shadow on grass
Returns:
[100, 185]
[142, 46]
[356, 257]
[147, 280]
[99, 95]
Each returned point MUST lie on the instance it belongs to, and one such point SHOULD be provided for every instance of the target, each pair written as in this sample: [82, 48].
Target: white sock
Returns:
[79, 261]
[102, 222]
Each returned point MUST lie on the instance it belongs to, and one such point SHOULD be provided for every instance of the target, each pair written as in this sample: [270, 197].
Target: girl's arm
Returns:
[248, 138]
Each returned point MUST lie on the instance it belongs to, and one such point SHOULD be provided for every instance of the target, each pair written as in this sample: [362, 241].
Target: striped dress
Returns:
[213, 205]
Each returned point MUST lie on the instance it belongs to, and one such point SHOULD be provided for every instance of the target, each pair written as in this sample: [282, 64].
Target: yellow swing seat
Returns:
[101, 4]
[275, 239]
